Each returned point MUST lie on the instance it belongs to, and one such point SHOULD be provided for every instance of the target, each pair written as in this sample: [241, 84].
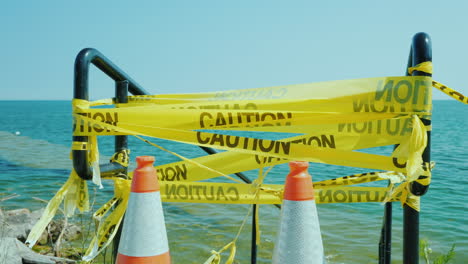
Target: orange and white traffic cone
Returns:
[299, 239]
[144, 238]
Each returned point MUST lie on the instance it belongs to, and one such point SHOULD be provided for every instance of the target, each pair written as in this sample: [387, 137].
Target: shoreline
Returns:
[58, 243]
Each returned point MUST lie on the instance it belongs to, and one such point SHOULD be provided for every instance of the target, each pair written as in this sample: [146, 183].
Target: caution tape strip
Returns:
[235, 193]
[75, 194]
[286, 150]
[121, 157]
[109, 226]
[450, 92]
[258, 120]
[427, 68]
[319, 95]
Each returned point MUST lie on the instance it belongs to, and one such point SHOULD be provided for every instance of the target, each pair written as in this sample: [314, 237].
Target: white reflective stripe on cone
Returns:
[299, 238]
[144, 230]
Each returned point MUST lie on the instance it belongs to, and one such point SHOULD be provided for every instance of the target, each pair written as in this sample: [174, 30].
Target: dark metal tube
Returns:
[88, 56]
[121, 97]
[410, 235]
[81, 91]
[238, 174]
[253, 255]
[121, 143]
[421, 51]
[385, 244]
[253, 251]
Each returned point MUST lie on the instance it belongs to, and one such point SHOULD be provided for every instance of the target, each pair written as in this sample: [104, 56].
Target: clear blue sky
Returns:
[199, 46]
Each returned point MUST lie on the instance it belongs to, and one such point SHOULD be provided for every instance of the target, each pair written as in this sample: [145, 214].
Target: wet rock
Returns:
[72, 232]
[12, 251]
[15, 226]
[15, 223]
[9, 252]
[18, 223]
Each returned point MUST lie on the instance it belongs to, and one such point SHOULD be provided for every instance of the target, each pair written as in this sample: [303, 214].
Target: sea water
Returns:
[35, 139]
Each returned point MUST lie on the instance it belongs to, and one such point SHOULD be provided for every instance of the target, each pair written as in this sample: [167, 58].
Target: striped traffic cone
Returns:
[299, 239]
[144, 238]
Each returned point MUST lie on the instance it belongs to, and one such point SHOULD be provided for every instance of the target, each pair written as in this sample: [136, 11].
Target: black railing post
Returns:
[385, 244]
[421, 51]
[253, 249]
[121, 143]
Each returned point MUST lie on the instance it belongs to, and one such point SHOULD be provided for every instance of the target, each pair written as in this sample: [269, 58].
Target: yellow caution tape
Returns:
[385, 91]
[427, 68]
[101, 212]
[413, 201]
[131, 119]
[258, 120]
[122, 157]
[450, 92]
[210, 192]
[80, 104]
[352, 100]
[231, 162]
[361, 114]
[189, 161]
[412, 149]
[394, 177]
[270, 147]
[93, 158]
[426, 178]
[423, 67]
[404, 194]
[77, 145]
[92, 144]
[76, 198]
[216, 255]
[235, 193]
[109, 226]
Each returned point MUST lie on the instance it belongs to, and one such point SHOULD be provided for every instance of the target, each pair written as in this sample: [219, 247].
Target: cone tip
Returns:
[299, 185]
[143, 161]
[145, 178]
[298, 164]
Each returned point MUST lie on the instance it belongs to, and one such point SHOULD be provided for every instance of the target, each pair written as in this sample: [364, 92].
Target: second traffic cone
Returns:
[299, 239]
[144, 238]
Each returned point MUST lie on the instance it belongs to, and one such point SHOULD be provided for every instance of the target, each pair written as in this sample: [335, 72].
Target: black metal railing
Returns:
[420, 51]
[123, 85]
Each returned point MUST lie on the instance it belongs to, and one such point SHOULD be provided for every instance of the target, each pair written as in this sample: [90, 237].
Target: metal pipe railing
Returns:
[124, 85]
[421, 51]
[385, 243]
[121, 143]
[83, 60]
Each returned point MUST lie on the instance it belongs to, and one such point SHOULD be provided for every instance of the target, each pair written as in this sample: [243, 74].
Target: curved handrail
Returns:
[81, 91]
